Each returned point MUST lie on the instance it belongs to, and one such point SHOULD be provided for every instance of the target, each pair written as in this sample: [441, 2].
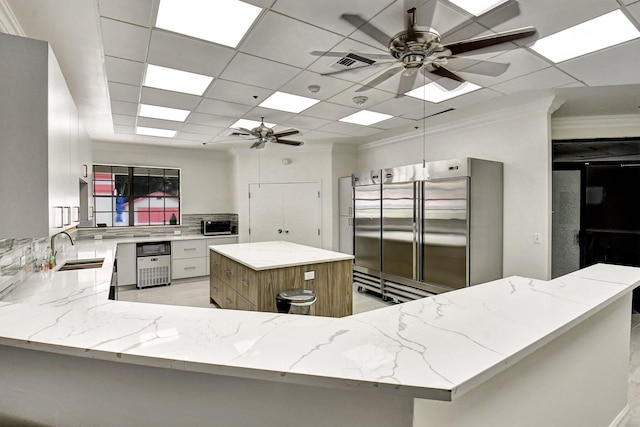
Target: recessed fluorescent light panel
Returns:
[288, 102]
[435, 93]
[477, 7]
[165, 133]
[596, 34]
[176, 80]
[365, 118]
[249, 124]
[164, 113]
[220, 21]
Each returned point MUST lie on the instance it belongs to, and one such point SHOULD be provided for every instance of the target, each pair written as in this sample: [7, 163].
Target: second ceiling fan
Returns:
[264, 134]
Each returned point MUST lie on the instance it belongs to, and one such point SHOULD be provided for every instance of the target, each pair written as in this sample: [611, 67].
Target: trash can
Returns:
[296, 301]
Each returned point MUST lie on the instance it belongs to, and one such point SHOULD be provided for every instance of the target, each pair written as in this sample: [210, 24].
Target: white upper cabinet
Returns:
[40, 163]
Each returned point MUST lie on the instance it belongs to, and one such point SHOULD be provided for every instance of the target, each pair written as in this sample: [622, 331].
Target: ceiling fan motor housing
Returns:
[413, 46]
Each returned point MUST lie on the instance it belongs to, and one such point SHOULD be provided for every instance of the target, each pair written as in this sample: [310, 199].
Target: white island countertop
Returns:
[269, 255]
[434, 348]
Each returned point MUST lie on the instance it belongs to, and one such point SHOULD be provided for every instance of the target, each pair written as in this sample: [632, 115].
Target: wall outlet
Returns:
[177, 232]
[537, 238]
[309, 275]
[97, 237]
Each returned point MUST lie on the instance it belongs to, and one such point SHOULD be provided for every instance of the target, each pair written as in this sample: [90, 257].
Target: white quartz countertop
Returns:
[268, 255]
[434, 348]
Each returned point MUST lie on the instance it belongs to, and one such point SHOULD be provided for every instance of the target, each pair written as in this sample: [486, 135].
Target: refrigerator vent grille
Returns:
[403, 293]
[367, 281]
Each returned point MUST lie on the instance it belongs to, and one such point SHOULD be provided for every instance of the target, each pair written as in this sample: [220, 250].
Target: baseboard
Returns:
[622, 418]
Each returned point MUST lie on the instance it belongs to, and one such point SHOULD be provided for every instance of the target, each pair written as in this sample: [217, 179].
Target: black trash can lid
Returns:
[297, 295]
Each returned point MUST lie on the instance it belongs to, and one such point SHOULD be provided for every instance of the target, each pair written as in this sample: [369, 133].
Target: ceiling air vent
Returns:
[352, 61]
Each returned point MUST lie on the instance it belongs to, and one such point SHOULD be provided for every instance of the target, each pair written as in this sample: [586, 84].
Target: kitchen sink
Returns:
[82, 264]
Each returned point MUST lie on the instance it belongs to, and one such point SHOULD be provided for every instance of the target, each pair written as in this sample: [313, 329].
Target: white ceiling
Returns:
[103, 45]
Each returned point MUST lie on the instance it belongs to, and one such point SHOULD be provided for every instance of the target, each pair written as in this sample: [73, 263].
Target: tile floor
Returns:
[196, 294]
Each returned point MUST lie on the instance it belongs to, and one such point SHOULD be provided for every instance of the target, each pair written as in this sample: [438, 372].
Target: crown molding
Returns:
[595, 121]
[8, 22]
[496, 111]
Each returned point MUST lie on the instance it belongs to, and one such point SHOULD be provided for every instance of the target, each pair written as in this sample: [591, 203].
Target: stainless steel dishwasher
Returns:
[154, 264]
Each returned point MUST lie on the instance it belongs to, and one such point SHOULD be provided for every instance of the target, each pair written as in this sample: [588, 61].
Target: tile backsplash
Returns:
[19, 258]
[190, 226]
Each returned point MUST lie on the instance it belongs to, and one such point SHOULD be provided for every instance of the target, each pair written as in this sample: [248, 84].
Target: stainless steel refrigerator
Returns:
[440, 228]
[367, 229]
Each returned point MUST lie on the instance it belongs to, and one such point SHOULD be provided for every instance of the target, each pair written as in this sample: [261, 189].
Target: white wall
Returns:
[206, 175]
[344, 162]
[514, 130]
[308, 164]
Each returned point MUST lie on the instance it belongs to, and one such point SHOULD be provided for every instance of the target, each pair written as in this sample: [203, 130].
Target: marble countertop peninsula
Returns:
[268, 255]
[434, 348]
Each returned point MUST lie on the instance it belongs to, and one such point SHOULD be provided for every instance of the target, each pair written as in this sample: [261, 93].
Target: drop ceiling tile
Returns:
[270, 115]
[124, 108]
[124, 71]
[139, 12]
[188, 54]
[167, 98]
[301, 121]
[326, 14]
[396, 122]
[289, 41]
[192, 136]
[225, 90]
[124, 129]
[159, 123]
[349, 129]
[124, 40]
[222, 108]
[544, 79]
[124, 92]
[374, 96]
[119, 119]
[474, 97]
[210, 120]
[551, 16]
[202, 129]
[329, 86]
[409, 108]
[628, 2]
[259, 72]
[328, 111]
[588, 68]
[635, 10]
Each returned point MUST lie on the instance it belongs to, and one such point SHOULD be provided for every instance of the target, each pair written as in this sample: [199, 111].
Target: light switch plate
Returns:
[309, 275]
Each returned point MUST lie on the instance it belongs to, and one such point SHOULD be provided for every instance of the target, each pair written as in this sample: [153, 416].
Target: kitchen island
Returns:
[248, 276]
[515, 351]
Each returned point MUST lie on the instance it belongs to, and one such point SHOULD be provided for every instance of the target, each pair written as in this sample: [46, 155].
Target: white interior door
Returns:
[265, 212]
[287, 211]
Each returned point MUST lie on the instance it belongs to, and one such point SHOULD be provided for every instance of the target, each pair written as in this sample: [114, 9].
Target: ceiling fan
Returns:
[421, 48]
[264, 134]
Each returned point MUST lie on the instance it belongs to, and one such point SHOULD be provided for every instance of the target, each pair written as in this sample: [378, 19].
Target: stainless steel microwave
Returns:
[220, 225]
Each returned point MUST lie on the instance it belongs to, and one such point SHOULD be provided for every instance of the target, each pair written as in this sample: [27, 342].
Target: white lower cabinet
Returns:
[127, 274]
[188, 258]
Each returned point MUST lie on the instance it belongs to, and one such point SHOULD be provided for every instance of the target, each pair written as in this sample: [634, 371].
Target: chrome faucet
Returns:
[53, 251]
